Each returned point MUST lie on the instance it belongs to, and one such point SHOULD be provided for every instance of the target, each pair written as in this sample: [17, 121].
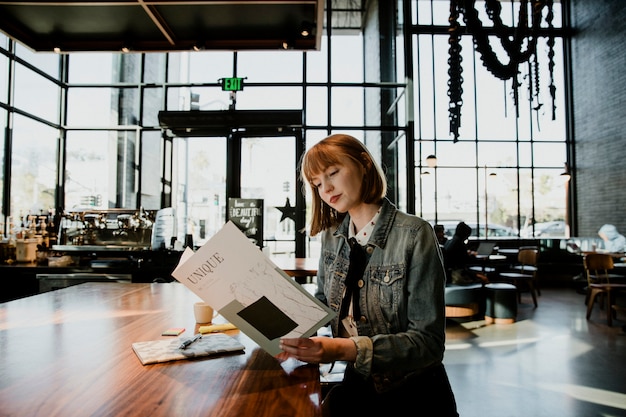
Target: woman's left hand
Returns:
[319, 349]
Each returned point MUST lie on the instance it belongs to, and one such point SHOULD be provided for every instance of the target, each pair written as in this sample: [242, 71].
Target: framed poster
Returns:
[247, 215]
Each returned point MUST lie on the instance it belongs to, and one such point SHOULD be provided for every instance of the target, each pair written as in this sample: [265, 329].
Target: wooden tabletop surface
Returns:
[68, 353]
[297, 267]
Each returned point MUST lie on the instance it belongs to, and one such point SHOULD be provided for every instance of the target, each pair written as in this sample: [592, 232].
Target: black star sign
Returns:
[288, 211]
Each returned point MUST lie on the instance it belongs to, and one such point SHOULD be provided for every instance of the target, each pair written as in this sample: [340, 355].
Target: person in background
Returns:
[440, 232]
[381, 271]
[457, 258]
[613, 241]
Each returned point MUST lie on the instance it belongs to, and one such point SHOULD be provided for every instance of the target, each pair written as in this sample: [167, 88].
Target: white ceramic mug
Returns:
[203, 312]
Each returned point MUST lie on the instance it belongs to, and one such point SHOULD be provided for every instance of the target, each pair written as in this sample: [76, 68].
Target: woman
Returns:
[381, 271]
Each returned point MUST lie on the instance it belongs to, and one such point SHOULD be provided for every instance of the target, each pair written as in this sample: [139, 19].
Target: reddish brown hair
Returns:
[336, 150]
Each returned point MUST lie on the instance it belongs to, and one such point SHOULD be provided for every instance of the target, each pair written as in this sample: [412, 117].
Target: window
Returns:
[33, 168]
[525, 149]
[36, 94]
[117, 157]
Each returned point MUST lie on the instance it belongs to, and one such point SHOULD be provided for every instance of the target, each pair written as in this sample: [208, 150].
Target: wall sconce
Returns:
[565, 175]
[431, 161]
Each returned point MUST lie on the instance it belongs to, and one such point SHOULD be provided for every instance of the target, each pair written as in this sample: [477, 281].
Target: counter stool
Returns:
[500, 303]
[464, 300]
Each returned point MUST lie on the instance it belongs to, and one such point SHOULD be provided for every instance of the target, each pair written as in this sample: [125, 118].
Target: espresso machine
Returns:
[108, 229]
[110, 245]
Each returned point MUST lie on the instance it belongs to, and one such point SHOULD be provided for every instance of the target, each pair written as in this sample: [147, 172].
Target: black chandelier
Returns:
[520, 44]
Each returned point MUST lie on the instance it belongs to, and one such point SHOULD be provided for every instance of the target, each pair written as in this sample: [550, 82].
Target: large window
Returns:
[89, 162]
[504, 170]
[33, 167]
[95, 116]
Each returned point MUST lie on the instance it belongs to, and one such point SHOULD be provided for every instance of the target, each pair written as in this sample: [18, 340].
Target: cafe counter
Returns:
[18, 279]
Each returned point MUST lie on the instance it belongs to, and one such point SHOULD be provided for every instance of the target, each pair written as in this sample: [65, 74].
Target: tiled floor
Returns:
[552, 362]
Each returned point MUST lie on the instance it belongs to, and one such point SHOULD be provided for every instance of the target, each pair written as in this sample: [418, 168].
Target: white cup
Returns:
[203, 313]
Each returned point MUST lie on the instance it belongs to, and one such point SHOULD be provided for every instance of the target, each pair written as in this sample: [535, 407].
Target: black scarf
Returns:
[358, 262]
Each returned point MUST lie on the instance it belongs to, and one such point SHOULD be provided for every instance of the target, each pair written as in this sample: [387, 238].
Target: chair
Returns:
[529, 267]
[500, 303]
[597, 267]
[464, 300]
[524, 273]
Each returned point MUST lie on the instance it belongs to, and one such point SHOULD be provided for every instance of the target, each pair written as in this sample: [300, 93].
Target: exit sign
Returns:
[232, 84]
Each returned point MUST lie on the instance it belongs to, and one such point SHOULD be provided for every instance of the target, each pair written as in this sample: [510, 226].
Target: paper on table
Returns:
[233, 276]
[213, 328]
[165, 350]
[173, 331]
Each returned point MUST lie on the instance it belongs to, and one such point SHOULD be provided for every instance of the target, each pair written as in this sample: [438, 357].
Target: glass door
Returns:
[260, 166]
[249, 154]
[268, 172]
[200, 187]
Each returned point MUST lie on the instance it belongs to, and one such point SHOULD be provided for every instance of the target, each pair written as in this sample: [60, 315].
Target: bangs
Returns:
[317, 159]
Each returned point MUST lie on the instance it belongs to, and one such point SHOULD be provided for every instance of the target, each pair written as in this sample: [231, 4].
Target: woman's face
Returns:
[339, 186]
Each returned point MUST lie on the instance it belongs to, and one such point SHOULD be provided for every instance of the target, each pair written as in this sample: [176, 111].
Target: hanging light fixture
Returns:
[126, 47]
[566, 175]
[198, 46]
[306, 29]
[431, 161]
[519, 44]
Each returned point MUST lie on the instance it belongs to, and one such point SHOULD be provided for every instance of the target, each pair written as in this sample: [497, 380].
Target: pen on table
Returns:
[188, 342]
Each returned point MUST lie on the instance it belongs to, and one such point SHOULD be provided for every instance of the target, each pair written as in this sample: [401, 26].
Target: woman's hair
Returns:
[337, 150]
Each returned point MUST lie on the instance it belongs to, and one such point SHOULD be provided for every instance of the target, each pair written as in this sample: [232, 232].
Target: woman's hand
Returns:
[319, 349]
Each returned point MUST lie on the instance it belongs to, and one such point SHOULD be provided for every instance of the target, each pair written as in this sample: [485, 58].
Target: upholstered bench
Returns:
[464, 300]
[500, 303]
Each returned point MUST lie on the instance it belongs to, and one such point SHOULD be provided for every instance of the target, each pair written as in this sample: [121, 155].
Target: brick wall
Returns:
[599, 96]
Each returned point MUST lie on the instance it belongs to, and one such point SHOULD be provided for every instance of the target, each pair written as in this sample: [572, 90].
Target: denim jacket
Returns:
[402, 328]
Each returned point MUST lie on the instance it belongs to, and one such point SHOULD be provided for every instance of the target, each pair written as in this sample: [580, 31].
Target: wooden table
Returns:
[617, 256]
[68, 353]
[508, 251]
[491, 258]
[510, 254]
[299, 268]
[489, 263]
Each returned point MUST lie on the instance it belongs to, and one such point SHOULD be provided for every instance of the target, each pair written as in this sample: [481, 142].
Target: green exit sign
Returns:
[232, 84]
